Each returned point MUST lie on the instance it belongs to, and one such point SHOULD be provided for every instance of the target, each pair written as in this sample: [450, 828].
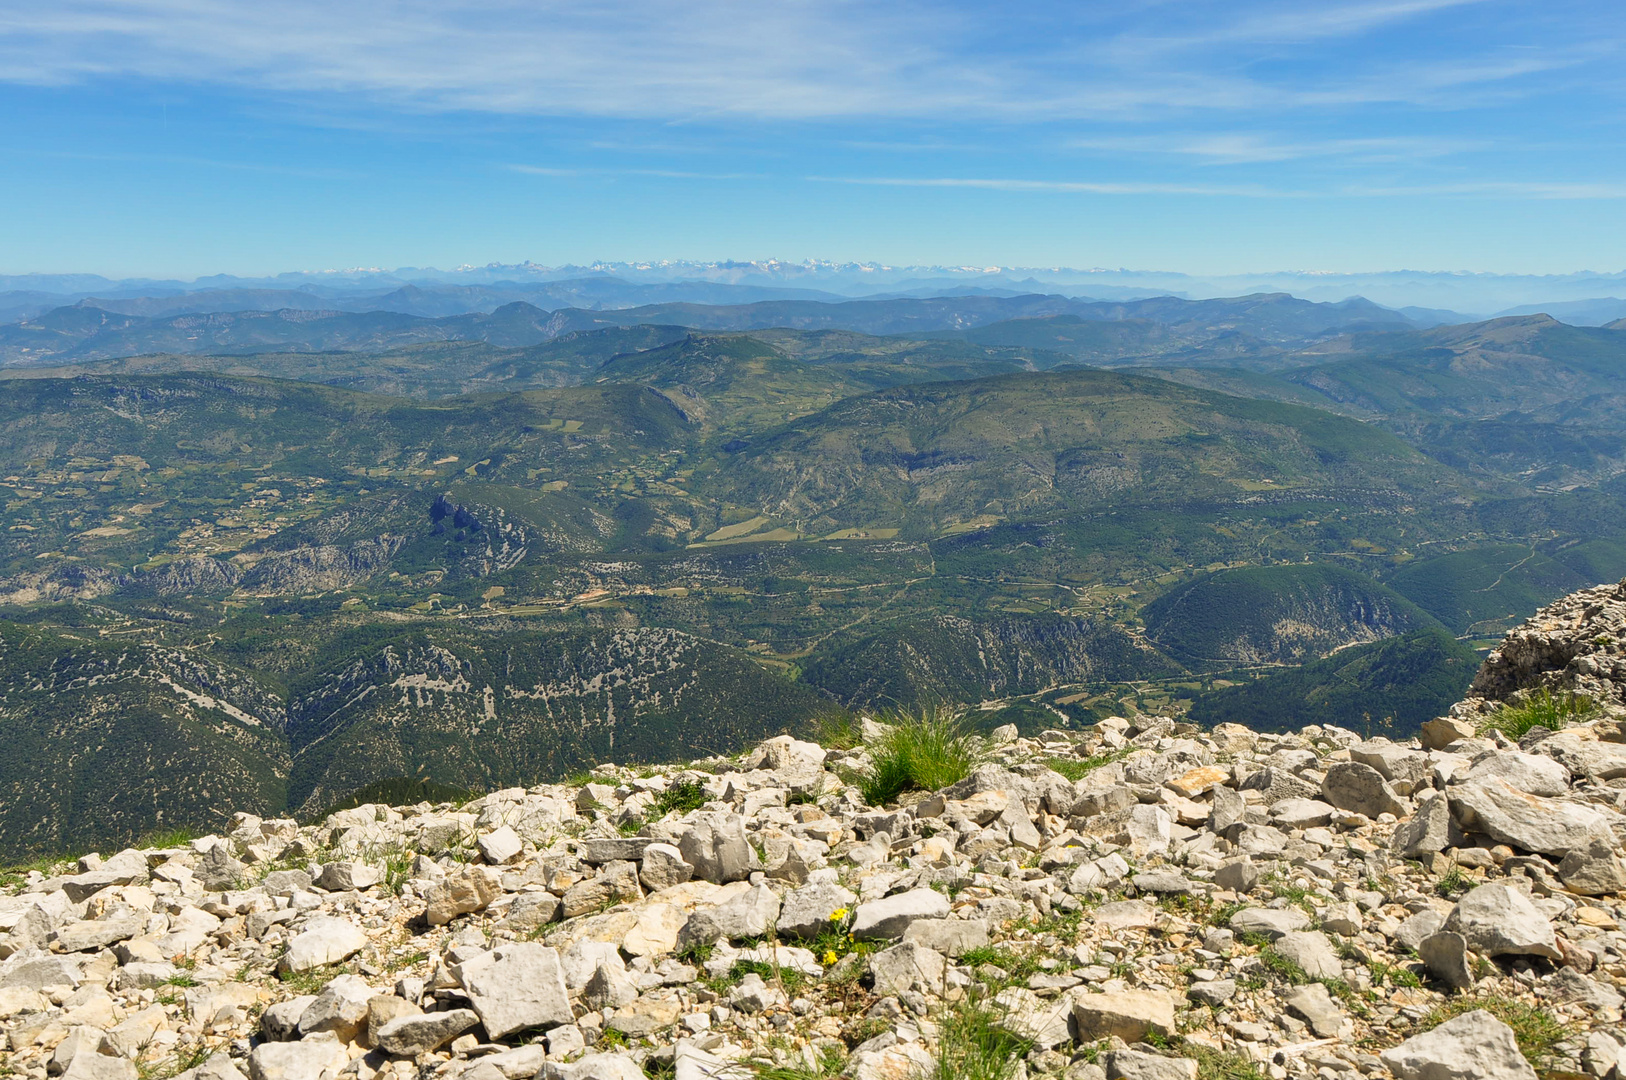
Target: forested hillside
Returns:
[659, 541]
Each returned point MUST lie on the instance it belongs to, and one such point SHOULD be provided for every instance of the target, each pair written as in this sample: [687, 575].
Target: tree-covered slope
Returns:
[954, 659]
[1486, 589]
[1276, 615]
[481, 711]
[932, 456]
[109, 738]
[1532, 365]
[1388, 687]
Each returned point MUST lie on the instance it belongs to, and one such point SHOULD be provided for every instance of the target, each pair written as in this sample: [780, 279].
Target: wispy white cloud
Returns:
[1514, 189]
[1250, 148]
[667, 174]
[1066, 187]
[745, 60]
[639, 58]
[1503, 189]
[1295, 23]
[187, 161]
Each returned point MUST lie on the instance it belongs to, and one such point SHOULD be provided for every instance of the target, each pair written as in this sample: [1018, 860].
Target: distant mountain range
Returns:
[1577, 312]
[1445, 295]
[1157, 326]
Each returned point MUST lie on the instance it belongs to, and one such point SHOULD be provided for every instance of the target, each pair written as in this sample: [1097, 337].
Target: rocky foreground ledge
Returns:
[1141, 901]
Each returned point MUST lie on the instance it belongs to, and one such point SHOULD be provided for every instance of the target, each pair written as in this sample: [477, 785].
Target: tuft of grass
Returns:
[631, 826]
[836, 729]
[1294, 975]
[862, 1029]
[1452, 882]
[828, 1066]
[924, 751]
[1215, 1064]
[1282, 967]
[789, 979]
[1540, 708]
[683, 796]
[1016, 965]
[1192, 905]
[1536, 1029]
[187, 1059]
[397, 869]
[1394, 974]
[312, 981]
[1078, 768]
[163, 839]
[17, 874]
[406, 960]
[975, 1047]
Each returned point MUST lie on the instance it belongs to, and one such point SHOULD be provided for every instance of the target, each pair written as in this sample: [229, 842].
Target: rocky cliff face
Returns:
[1576, 644]
[306, 568]
[1140, 901]
[114, 737]
[483, 712]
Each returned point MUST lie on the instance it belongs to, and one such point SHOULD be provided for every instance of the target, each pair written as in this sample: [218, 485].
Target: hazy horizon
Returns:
[1573, 296]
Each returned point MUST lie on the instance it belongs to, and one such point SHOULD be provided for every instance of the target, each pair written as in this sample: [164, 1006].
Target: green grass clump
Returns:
[1393, 974]
[789, 978]
[163, 839]
[836, 729]
[1078, 768]
[1215, 1064]
[17, 874]
[1017, 965]
[924, 751]
[1536, 1029]
[975, 1047]
[178, 1063]
[1291, 973]
[829, 1065]
[1452, 882]
[683, 796]
[1282, 967]
[1540, 708]
[312, 981]
[397, 868]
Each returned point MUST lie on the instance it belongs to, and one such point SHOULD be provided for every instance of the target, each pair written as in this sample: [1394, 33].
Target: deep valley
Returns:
[657, 533]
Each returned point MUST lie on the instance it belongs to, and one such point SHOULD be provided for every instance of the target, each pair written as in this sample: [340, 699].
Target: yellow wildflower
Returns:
[838, 914]
[830, 957]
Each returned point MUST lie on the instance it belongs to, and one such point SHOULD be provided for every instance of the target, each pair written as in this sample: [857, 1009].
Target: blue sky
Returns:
[181, 137]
